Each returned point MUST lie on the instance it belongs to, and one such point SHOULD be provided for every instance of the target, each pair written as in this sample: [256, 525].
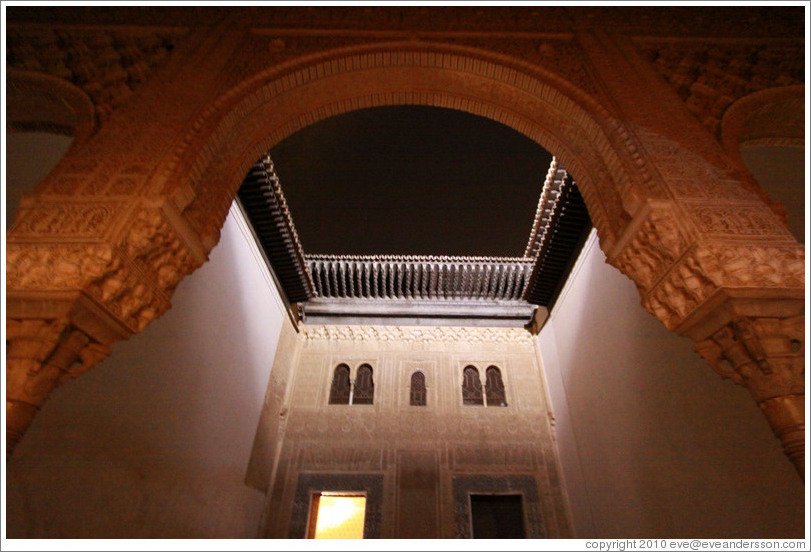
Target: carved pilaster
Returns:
[88, 253]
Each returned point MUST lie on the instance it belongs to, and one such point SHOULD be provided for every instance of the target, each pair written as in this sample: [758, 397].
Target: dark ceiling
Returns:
[411, 180]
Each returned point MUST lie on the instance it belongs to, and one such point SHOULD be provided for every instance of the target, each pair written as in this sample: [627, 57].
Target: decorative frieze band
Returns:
[74, 220]
[413, 334]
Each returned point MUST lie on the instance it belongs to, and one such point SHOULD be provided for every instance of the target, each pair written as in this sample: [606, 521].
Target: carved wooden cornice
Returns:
[266, 208]
[406, 278]
[552, 187]
[407, 286]
[563, 230]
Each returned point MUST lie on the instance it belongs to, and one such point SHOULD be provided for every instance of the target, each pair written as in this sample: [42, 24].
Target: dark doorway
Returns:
[497, 516]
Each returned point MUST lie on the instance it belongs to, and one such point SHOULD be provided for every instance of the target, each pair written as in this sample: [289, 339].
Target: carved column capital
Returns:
[42, 354]
[763, 354]
[767, 356]
[741, 301]
[71, 295]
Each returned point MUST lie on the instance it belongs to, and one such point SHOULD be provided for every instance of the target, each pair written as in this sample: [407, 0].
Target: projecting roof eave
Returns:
[420, 290]
[407, 312]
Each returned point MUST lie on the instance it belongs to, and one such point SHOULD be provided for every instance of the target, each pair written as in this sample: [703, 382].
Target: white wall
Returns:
[653, 443]
[155, 440]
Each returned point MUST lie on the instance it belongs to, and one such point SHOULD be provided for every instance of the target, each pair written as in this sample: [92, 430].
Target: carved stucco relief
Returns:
[108, 65]
[410, 334]
[84, 219]
[656, 245]
[710, 78]
[708, 267]
[55, 266]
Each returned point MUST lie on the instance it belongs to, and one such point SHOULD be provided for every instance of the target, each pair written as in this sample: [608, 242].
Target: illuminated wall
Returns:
[416, 464]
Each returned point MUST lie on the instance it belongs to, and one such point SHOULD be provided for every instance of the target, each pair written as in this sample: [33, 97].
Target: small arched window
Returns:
[419, 393]
[494, 387]
[339, 392]
[364, 386]
[471, 387]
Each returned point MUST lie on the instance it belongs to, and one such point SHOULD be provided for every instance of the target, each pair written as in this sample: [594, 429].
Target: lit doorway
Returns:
[336, 515]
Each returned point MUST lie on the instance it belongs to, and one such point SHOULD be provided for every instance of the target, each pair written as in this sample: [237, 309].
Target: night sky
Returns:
[411, 180]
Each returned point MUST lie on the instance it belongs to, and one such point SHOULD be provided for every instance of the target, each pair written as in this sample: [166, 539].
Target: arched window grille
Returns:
[419, 393]
[471, 387]
[339, 392]
[494, 387]
[364, 386]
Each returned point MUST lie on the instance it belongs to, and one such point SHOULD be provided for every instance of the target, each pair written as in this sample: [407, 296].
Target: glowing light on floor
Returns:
[340, 517]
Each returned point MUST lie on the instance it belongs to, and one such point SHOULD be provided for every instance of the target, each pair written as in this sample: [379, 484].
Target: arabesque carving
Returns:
[655, 246]
[690, 175]
[127, 296]
[108, 65]
[755, 266]
[410, 334]
[742, 220]
[710, 78]
[67, 220]
[706, 269]
[154, 244]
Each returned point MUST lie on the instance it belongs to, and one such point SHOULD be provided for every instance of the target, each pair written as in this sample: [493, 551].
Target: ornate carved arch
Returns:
[247, 121]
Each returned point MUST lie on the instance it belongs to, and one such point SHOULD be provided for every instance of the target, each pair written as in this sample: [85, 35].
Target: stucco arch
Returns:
[261, 111]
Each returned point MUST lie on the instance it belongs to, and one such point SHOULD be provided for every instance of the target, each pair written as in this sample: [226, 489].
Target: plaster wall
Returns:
[652, 442]
[154, 441]
[427, 457]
